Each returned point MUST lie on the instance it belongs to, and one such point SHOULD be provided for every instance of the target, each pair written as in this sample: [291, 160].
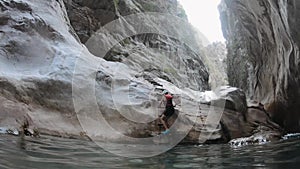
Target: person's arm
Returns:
[173, 102]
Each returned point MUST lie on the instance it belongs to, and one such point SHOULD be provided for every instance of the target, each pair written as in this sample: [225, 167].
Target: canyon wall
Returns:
[263, 54]
[47, 74]
[67, 70]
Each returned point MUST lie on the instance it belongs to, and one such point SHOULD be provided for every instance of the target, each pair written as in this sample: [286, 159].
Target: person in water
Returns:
[168, 112]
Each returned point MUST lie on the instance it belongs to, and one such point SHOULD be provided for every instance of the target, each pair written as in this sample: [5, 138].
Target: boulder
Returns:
[230, 98]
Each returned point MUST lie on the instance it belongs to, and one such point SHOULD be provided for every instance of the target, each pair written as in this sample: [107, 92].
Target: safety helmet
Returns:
[165, 91]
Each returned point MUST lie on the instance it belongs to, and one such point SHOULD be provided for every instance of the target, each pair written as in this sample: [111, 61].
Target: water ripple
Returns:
[51, 152]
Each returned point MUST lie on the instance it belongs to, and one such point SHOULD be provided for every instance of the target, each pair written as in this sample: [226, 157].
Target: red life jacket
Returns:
[169, 99]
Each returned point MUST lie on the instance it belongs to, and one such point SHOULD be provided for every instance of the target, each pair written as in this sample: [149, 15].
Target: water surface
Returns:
[52, 152]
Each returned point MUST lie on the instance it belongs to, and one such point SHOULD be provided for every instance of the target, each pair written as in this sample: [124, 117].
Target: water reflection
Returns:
[51, 152]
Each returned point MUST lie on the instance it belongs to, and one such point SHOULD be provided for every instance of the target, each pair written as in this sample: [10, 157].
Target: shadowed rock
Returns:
[263, 44]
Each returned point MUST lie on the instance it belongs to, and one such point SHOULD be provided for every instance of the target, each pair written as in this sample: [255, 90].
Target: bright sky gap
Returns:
[204, 15]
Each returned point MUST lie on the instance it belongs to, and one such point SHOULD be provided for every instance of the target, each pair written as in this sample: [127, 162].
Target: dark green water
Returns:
[50, 152]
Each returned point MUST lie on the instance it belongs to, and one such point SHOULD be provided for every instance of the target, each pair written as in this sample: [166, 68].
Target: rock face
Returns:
[150, 54]
[45, 70]
[37, 54]
[217, 55]
[87, 16]
[56, 85]
[263, 58]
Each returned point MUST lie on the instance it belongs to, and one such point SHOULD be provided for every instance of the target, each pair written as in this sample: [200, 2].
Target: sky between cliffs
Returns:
[204, 15]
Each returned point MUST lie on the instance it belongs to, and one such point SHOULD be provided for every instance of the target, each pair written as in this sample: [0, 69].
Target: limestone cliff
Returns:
[216, 63]
[47, 74]
[87, 16]
[142, 52]
[263, 54]
[109, 88]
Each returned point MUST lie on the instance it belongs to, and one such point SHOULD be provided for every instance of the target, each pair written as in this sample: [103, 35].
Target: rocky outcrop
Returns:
[263, 44]
[234, 98]
[242, 119]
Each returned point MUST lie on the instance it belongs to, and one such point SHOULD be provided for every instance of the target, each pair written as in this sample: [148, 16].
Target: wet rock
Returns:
[255, 123]
[4, 130]
[291, 136]
[27, 130]
[13, 132]
[257, 138]
[20, 132]
[263, 57]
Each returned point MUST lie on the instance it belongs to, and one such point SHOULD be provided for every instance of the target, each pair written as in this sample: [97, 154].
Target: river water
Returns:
[52, 152]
